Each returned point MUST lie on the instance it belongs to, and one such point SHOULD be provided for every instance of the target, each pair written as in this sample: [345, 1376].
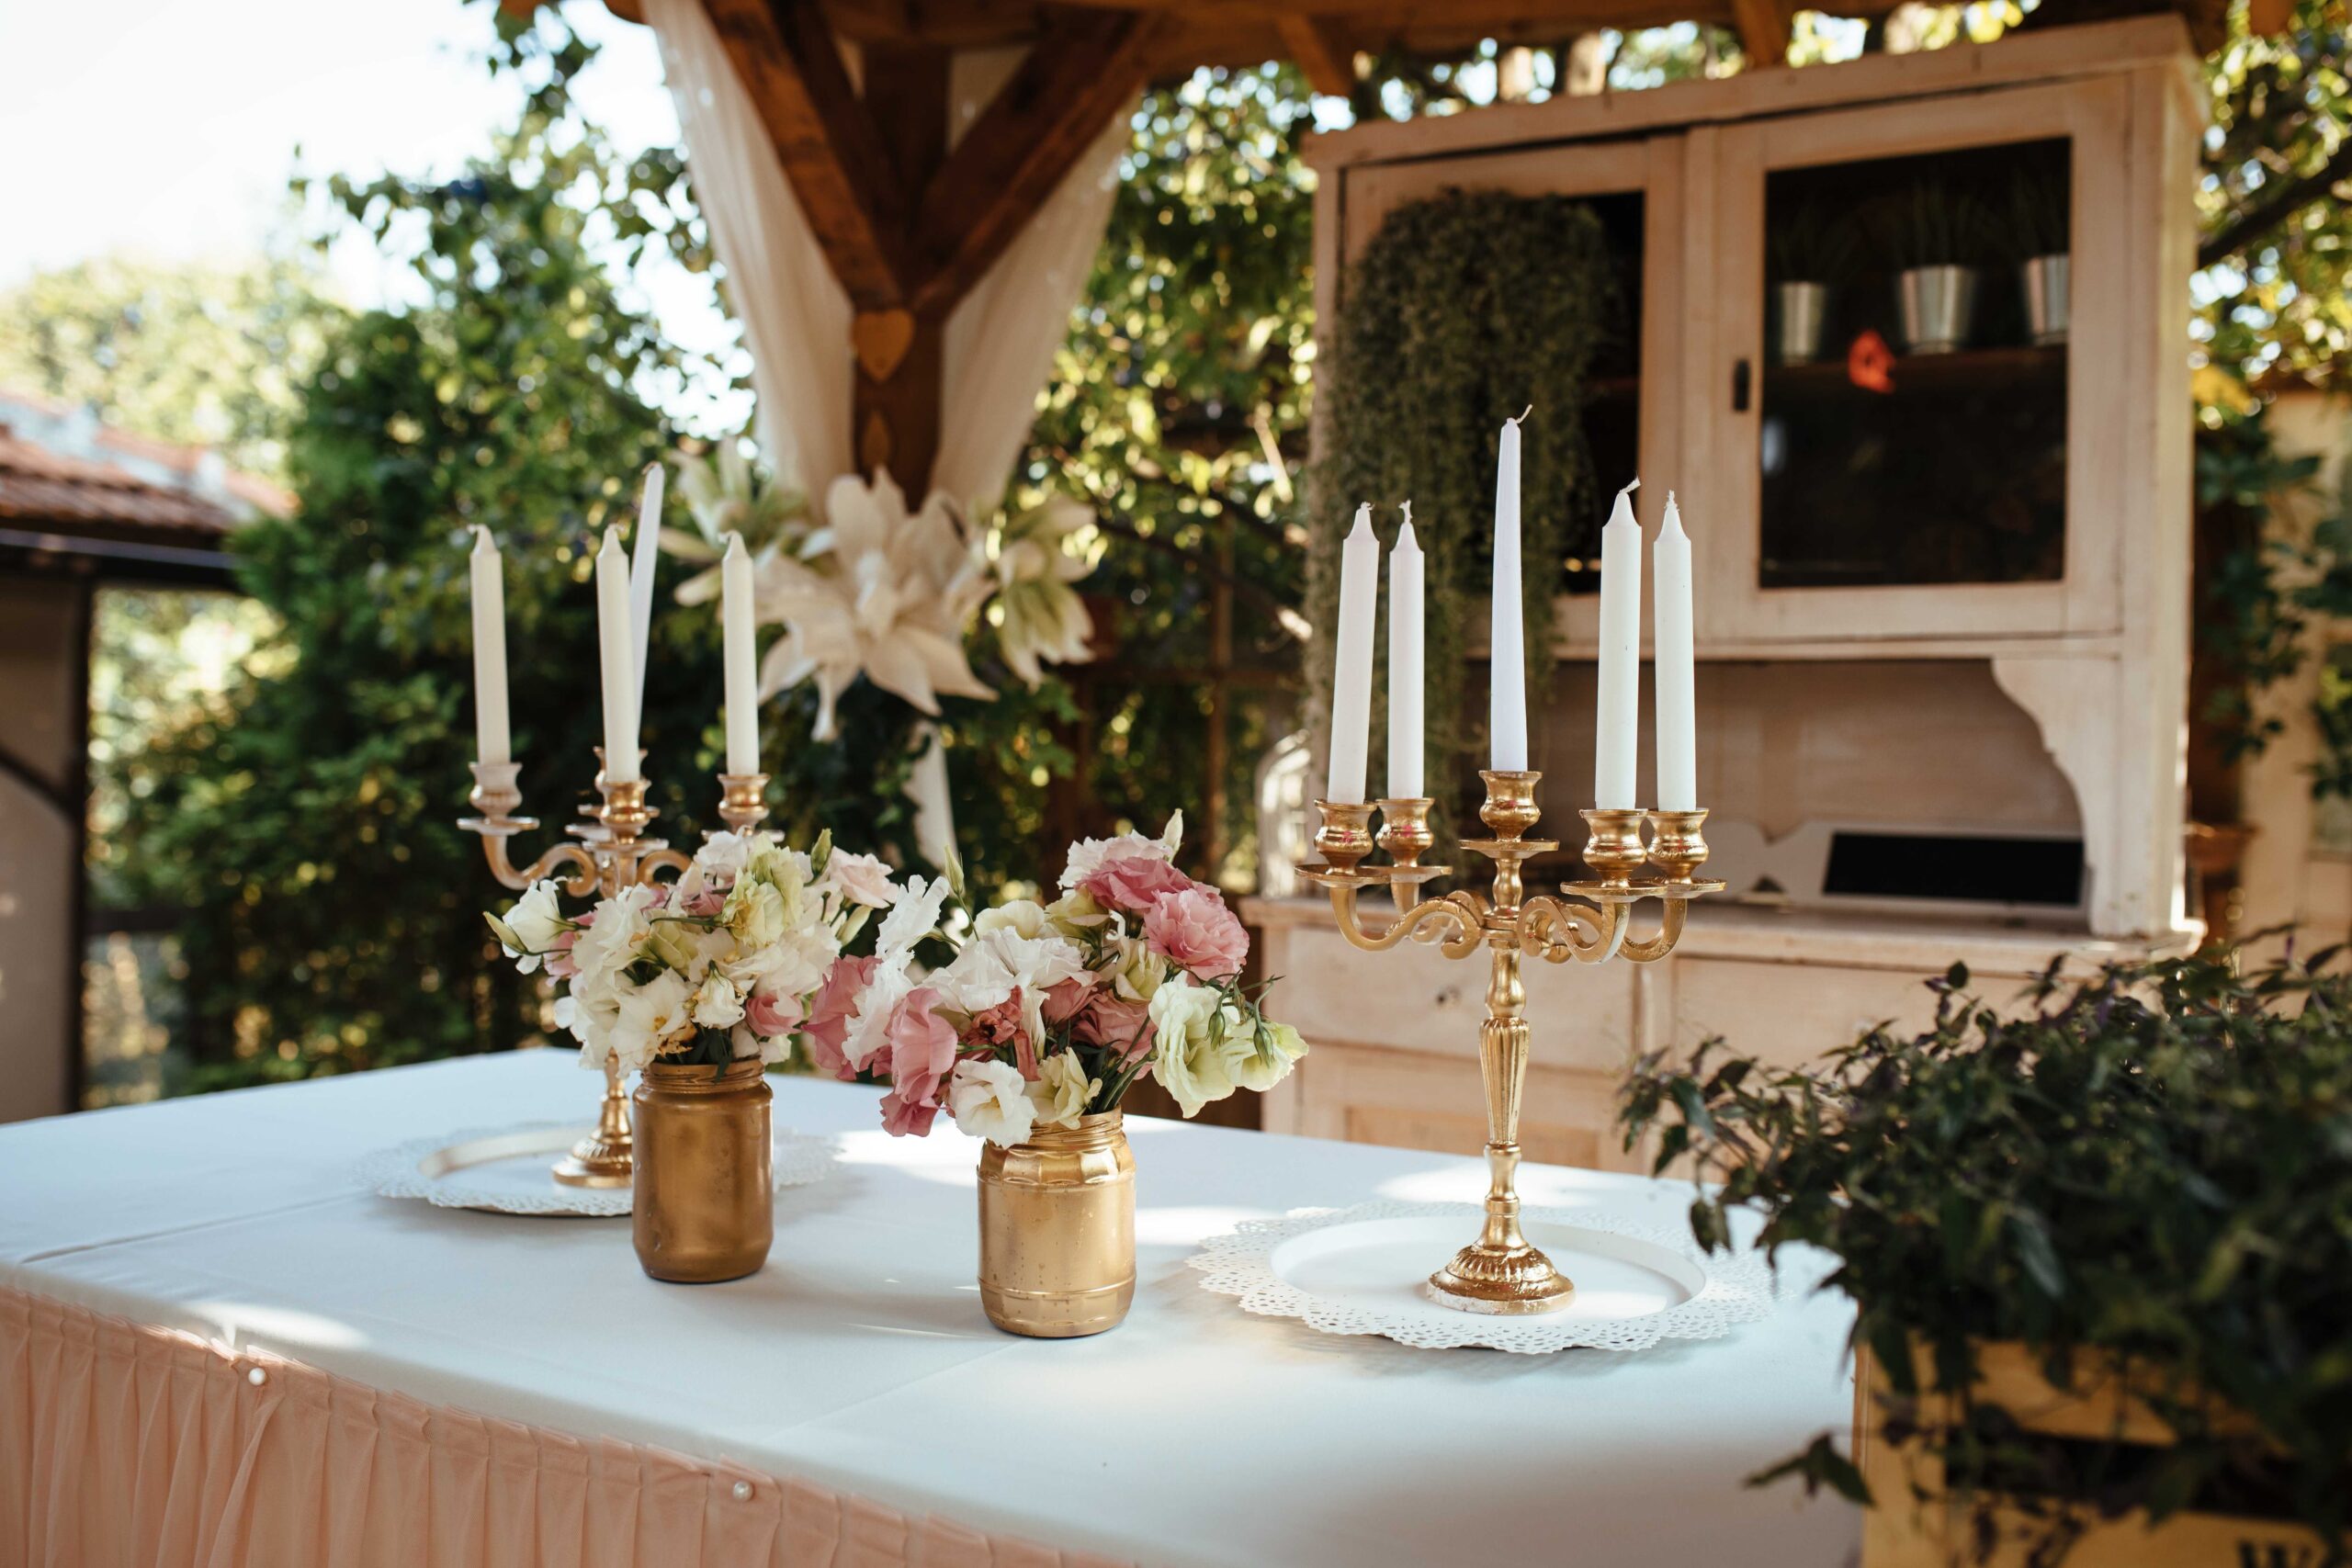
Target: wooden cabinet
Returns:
[1942, 601]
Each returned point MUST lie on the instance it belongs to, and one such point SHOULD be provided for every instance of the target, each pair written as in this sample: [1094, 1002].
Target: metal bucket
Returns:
[1803, 313]
[1939, 306]
[2044, 281]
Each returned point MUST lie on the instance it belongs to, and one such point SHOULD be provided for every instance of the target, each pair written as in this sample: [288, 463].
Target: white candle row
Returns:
[623, 621]
[1617, 725]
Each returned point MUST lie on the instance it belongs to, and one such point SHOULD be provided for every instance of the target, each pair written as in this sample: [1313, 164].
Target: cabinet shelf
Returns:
[1964, 369]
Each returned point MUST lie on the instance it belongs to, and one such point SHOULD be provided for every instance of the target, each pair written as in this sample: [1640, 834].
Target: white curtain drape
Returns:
[999, 341]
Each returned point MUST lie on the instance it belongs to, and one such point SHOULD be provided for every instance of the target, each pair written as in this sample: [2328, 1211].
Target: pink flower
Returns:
[559, 963]
[770, 1016]
[1066, 999]
[1001, 1025]
[1134, 882]
[1195, 930]
[860, 879]
[1115, 1024]
[829, 1015]
[922, 1053]
[706, 903]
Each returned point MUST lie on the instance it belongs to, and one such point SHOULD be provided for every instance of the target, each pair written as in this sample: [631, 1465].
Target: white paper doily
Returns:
[505, 1169]
[1359, 1270]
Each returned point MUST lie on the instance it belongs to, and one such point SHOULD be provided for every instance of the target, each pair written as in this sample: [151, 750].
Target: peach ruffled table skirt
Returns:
[215, 1351]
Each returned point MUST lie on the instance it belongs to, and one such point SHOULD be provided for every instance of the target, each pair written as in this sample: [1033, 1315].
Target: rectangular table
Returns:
[859, 1360]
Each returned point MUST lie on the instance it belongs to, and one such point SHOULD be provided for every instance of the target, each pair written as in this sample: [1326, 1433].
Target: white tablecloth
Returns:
[859, 1358]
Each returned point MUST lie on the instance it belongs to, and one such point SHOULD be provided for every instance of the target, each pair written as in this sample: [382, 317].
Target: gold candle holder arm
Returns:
[497, 798]
[1345, 839]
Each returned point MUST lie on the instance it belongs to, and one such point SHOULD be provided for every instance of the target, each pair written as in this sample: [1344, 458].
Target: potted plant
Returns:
[1812, 251]
[1030, 1038]
[1933, 233]
[2101, 1253]
[2038, 236]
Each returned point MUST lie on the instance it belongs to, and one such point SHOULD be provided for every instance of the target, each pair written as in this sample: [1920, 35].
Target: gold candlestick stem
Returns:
[1502, 1272]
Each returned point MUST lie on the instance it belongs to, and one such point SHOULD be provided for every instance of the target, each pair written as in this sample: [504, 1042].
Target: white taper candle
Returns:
[1617, 730]
[1351, 666]
[1678, 723]
[617, 660]
[487, 571]
[1506, 642]
[743, 674]
[1405, 677]
[648, 549]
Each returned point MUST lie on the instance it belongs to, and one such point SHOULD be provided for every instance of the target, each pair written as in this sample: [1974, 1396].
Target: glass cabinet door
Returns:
[1903, 367]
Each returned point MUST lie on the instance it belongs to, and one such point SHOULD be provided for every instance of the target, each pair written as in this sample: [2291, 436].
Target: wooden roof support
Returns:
[1764, 27]
[785, 53]
[1320, 46]
[1085, 70]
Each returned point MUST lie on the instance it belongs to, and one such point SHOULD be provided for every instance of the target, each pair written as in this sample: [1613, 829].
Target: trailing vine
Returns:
[1464, 310]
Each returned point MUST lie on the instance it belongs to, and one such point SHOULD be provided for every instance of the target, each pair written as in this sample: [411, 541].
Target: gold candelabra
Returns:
[1501, 1272]
[611, 851]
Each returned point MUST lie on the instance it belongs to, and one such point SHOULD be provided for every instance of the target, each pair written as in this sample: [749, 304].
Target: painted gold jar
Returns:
[704, 1205]
[1058, 1230]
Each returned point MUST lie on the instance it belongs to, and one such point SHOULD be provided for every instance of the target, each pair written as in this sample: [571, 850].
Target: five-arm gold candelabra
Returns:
[612, 852]
[1501, 1272]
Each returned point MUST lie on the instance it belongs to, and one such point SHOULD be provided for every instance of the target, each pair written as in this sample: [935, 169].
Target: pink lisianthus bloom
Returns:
[1133, 882]
[860, 879]
[770, 1016]
[706, 903]
[1195, 930]
[1066, 999]
[829, 1015]
[999, 1026]
[560, 964]
[921, 1046]
[1115, 1024]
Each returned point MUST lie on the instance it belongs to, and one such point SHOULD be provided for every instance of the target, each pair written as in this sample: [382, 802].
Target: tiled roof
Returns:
[71, 494]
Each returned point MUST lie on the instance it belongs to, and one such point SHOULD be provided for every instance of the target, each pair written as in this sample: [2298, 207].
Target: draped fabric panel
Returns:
[137, 1447]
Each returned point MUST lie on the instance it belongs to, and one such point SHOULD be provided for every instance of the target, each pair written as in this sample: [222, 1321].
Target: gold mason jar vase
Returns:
[705, 1203]
[1058, 1230]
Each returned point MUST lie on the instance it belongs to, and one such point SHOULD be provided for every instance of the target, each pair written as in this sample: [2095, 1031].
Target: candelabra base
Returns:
[608, 1156]
[1510, 1281]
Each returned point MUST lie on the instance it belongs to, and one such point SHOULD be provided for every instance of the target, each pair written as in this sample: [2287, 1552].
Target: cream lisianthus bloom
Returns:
[1140, 971]
[532, 927]
[1193, 1051]
[609, 944]
[876, 592]
[1022, 917]
[650, 1016]
[755, 912]
[1062, 1091]
[1037, 614]
[1277, 1047]
[717, 1004]
[1087, 855]
[1076, 913]
[988, 1099]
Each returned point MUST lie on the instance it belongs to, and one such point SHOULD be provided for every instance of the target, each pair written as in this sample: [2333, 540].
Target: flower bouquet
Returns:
[695, 986]
[1029, 1039]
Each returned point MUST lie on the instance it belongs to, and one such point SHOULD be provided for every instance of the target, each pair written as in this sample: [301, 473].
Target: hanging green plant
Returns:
[1464, 310]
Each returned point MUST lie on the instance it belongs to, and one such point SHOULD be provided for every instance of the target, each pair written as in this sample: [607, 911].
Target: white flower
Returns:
[990, 1100]
[792, 966]
[914, 914]
[532, 927]
[650, 1017]
[1062, 1091]
[1140, 972]
[755, 912]
[717, 1004]
[1076, 911]
[994, 965]
[1024, 916]
[1271, 1053]
[886, 990]
[1087, 855]
[610, 943]
[877, 592]
[1038, 614]
[1195, 1052]
[723, 856]
[858, 879]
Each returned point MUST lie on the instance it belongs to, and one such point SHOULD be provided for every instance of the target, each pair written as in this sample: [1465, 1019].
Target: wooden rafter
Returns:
[1320, 46]
[839, 171]
[1084, 71]
[1764, 27]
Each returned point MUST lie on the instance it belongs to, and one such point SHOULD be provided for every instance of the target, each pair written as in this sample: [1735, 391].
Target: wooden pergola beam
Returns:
[785, 53]
[1320, 46]
[1764, 28]
[1083, 72]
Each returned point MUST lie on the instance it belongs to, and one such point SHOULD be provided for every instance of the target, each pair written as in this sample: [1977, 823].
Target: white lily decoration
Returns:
[1037, 614]
[878, 593]
[724, 496]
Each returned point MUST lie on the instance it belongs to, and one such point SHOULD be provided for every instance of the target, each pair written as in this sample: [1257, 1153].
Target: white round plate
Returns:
[505, 1169]
[1360, 1271]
